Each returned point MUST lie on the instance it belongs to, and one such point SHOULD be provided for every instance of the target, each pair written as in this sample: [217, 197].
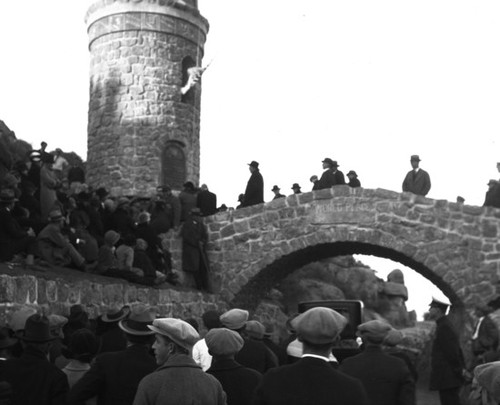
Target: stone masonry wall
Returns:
[135, 106]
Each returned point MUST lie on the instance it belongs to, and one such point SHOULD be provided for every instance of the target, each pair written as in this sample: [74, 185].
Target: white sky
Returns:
[366, 83]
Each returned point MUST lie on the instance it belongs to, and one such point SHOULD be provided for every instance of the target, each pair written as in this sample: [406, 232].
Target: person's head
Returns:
[211, 319]
[276, 190]
[37, 333]
[318, 329]
[111, 238]
[482, 310]
[141, 244]
[329, 164]
[57, 323]
[296, 188]
[83, 345]
[414, 161]
[223, 342]
[144, 217]
[253, 166]
[460, 199]
[204, 187]
[172, 336]
[492, 184]
[352, 174]
[255, 330]
[189, 186]
[438, 308]
[234, 319]
[241, 198]
[56, 218]
[313, 179]
[58, 151]
[373, 332]
[43, 145]
[136, 325]
[498, 166]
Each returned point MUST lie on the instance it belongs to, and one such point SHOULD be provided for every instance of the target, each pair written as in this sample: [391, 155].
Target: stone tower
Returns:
[142, 131]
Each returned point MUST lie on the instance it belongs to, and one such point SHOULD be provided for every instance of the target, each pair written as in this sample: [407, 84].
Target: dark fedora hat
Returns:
[331, 162]
[37, 329]
[115, 314]
[295, 185]
[352, 172]
[137, 323]
[7, 196]
[275, 188]
[253, 163]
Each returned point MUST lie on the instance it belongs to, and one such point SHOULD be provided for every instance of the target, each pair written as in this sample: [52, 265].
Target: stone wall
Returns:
[56, 293]
[135, 108]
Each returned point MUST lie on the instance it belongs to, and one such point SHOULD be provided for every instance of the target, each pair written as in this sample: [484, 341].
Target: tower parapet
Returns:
[142, 130]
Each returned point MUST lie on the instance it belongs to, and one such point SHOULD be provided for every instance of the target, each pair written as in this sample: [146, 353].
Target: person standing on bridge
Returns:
[254, 193]
[417, 181]
[331, 176]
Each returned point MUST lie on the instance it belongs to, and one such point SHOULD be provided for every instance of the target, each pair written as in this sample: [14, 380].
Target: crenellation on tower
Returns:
[142, 130]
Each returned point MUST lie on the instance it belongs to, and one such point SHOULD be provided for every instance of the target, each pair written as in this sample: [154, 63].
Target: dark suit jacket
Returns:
[114, 377]
[34, 381]
[447, 361]
[331, 178]
[419, 183]
[256, 355]
[387, 379]
[487, 337]
[254, 193]
[238, 382]
[309, 381]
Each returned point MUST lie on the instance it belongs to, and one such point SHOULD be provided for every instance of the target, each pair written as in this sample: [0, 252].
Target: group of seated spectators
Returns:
[51, 216]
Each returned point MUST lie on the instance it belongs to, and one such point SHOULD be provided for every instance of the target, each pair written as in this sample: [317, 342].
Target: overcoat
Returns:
[48, 195]
[114, 377]
[417, 182]
[180, 381]
[331, 178]
[387, 379]
[309, 381]
[254, 192]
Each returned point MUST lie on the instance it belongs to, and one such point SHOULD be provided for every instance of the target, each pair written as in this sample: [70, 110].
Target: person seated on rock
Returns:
[143, 262]
[14, 239]
[55, 248]
[107, 260]
[125, 256]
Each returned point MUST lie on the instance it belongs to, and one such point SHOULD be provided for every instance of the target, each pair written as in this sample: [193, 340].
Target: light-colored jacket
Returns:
[180, 381]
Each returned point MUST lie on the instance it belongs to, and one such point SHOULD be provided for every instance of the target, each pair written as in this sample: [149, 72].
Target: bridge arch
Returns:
[452, 245]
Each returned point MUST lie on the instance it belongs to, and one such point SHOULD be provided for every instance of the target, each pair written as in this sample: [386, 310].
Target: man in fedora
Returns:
[178, 379]
[14, 239]
[312, 380]
[387, 379]
[114, 377]
[111, 336]
[296, 188]
[447, 360]
[238, 381]
[254, 192]
[277, 194]
[331, 175]
[34, 380]
[417, 181]
[353, 179]
[206, 201]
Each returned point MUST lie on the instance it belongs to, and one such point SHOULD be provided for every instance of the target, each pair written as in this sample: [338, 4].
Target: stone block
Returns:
[7, 289]
[489, 229]
[227, 231]
[51, 291]
[62, 291]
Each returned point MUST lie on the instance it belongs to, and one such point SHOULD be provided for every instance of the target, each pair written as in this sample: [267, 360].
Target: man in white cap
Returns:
[114, 376]
[417, 181]
[447, 360]
[312, 380]
[178, 380]
[387, 379]
[253, 354]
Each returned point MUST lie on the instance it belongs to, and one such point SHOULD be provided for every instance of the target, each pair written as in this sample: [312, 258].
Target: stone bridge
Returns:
[454, 246]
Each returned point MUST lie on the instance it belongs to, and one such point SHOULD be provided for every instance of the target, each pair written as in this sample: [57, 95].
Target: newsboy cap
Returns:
[234, 318]
[255, 329]
[319, 325]
[176, 330]
[374, 331]
[223, 342]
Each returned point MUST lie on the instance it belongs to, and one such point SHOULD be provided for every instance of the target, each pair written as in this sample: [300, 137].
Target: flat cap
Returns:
[177, 330]
[234, 318]
[255, 329]
[223, 342]
[393, 338]
[374, 331]
[319, 325]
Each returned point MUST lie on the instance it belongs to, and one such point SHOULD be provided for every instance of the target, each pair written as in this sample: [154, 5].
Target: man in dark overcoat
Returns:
[312, 380]
[238, 382]
[447, 360]
[417, 181]
[387, 379]
[114, 377]
[484, 342]
[254, 192]
[206, 201]
[331, 175]
[34, 380]
[253, 354]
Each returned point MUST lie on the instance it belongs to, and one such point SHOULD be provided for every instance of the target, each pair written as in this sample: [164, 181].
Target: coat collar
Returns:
[224, 364]
[179, 360]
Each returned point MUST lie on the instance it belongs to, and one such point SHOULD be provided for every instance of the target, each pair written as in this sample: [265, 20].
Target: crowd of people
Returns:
[49, 215]
[133, 355]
